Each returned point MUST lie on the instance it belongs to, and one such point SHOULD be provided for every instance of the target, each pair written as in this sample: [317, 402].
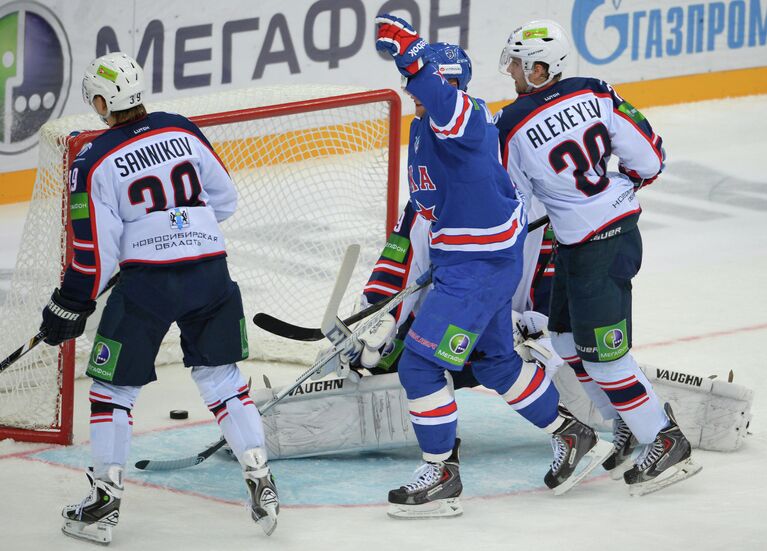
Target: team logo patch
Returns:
[35, 72]
[245, 349]
[103, 360]
[542, 32]
[456, 345]
[396, 248]
[612, 341]
[179, 218]
[78, 206]
[107, 73]
[631, 112]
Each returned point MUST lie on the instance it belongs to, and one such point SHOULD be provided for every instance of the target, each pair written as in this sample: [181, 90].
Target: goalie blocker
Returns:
[343, 415]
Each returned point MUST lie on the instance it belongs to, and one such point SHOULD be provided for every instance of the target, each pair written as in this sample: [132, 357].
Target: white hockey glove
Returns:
[375, 341]
[341, 364]
[532, 342]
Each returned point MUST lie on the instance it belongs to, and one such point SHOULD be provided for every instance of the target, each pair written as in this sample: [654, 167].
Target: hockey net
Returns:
[316, 170]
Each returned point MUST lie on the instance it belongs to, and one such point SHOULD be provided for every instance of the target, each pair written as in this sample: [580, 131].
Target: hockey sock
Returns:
[532, 395]
[432, 406]
[111, 425]
[631, 394]
[564, 344]
[226, 395]
[435, 418]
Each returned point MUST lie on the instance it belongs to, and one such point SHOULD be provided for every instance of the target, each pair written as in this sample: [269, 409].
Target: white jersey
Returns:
[556, 144]
[149, 192]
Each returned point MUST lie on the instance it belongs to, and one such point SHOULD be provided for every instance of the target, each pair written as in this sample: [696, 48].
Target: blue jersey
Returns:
[456, 179]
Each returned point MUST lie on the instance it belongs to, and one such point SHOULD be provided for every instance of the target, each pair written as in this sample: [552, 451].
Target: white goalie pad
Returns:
[337, 415]
[713, 414]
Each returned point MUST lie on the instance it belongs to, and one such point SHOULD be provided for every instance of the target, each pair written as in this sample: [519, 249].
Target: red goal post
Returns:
[316, 168]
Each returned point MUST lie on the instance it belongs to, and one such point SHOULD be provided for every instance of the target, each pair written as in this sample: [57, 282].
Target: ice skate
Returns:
[434, 491]
[571, 443]
[663, 462]
[264, 505]
[92, 519]
[624, 443]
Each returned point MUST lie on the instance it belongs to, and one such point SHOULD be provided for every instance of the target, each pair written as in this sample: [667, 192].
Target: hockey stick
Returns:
[326, 358]
[297, 333]
[40, 337]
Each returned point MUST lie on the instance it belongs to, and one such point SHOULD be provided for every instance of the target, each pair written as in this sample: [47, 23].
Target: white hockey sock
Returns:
[631, 394]
[111, 425]
[226, 395]
[564, 344]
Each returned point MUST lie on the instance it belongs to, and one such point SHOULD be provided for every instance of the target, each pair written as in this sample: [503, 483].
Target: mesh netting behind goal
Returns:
[316, 169]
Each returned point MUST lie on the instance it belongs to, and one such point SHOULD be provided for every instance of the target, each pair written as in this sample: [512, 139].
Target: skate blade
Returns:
[596, 456]
[95, 532]
[268, 522]
[679, 472]
[441, 508]
[617, 472]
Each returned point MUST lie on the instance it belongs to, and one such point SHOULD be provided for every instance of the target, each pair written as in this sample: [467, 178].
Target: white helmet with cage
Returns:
[542, 41]
[116, 77]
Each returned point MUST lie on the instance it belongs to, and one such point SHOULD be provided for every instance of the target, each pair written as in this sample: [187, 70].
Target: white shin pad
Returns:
[225, 392]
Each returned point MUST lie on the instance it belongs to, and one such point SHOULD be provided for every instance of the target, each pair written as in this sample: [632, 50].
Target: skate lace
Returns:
[425, 475]
[89, 499]
[621, 434]
[650, 454]
[560, 452]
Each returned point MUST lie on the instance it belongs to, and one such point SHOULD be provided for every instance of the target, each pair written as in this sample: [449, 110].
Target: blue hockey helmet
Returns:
[453, 62]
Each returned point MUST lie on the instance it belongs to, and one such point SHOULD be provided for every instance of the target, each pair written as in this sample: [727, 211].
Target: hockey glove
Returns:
[396, 37]
[375, 341]
[635, 178]
[64, 319]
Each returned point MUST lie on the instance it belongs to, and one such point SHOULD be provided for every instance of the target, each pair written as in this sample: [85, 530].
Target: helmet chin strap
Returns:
[531, 86]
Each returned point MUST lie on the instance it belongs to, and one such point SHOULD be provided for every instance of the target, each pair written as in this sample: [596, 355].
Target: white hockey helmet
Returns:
[542, 41]
[116, 77]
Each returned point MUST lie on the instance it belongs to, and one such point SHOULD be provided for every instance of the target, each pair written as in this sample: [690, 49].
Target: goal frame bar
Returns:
[62, 433]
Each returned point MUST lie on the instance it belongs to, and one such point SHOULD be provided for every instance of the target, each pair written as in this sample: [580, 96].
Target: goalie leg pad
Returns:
[713, 414]
[225, 393]
[338, 415]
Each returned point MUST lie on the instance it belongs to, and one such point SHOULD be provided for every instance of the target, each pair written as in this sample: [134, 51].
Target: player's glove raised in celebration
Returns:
[64, 319]
[396, 37]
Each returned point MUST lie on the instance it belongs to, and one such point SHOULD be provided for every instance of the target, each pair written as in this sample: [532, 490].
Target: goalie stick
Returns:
[40, 337]
[287, 330]
[326, 358]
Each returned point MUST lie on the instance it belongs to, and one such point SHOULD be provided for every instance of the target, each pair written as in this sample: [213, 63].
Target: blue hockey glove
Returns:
[64, 319]
[396, 37]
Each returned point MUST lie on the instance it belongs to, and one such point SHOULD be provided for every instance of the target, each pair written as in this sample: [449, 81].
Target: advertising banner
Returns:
[195, 47]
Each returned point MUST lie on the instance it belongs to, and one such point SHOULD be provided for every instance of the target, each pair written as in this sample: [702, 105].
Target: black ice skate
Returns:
[264, 505]
[624, 443]
[663, 462]
[433, 493]
[571, 443]
[92, 519]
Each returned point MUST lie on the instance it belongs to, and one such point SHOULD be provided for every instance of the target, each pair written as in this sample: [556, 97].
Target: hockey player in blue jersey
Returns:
[148, 195]
[477, 230]
[557, 139]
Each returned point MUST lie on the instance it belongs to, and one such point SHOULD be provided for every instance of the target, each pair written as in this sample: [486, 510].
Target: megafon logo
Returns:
[35, 72]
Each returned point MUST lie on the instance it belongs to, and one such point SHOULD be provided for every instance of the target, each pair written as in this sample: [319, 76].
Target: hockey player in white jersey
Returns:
[148, 195]
[557, 139]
